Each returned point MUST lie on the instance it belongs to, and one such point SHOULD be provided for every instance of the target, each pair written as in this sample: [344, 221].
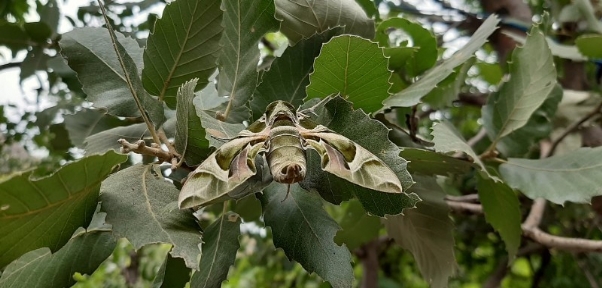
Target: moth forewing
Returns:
[222, 172]
[346, 159]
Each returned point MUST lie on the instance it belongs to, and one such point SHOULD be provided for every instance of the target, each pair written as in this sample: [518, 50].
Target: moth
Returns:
[281, 137]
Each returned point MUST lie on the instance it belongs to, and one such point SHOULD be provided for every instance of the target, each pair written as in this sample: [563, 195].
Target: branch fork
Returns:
[154, 150]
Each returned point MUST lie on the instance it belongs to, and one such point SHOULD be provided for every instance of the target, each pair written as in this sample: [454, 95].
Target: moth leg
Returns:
[288, 191]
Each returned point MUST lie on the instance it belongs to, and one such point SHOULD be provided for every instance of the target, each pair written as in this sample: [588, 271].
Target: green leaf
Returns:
[370, 8]
[190, 139]
[532, 78]
[213, 126]
[301, 219]
[354, 67]
[428, 162]
[570, 52]
[249, 208]
[574, 176]
[220, 243]
[184, 45]
[502, 211]
[589, 45]
[172, 274]
[107, 140]
[289, 74]
[357, 226]
[208, 98]
[50, 15]
[448, 140]
[88, 122]
[539, 126]
[427, 232]
[141, 206]
[490, 72]
[38, 31]
[338, 115]
[447, 90]
[422, 58]
[89, 52]
[398, 57]
[60, 202]
[412, 95]
[303, 18]
[13, 36]
[34, 61]
[40, 268]
[245, 23]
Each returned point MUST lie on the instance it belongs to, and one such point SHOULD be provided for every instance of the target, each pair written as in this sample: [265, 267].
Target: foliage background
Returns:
[33, 49]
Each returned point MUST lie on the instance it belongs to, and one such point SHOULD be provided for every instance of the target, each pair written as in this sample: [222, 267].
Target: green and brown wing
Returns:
[223, 173]
[350, 161]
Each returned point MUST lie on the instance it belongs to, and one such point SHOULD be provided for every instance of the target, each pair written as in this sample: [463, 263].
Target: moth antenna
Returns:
[288, 191]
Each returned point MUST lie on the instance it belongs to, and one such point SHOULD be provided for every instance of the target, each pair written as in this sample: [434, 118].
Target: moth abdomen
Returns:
[286, 155]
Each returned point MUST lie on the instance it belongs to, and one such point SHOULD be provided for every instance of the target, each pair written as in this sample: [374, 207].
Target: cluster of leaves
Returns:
[202, 60]
[33, 47]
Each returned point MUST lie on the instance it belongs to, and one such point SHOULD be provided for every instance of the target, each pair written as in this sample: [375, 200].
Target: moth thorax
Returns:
[286, 156]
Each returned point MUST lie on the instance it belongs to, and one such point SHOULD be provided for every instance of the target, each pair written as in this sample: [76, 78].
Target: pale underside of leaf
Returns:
[533, 76]
[573, 177]
[412, 94]
[140, 204]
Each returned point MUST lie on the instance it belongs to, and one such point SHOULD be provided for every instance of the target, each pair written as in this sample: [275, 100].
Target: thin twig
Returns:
[563, 243]
[174, 160]
[533, 232]
[463, 198]
[476, 138]
[534, 218]
[473, 141]
[574, 126]
[141, 148]
[465, 207]
[10, 65]
[593, 282]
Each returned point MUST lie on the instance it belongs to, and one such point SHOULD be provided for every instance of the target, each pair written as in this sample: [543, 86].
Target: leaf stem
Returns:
[172, 150]
[149, 124]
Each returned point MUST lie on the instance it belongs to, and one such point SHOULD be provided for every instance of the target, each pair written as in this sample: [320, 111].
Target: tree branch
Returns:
[478, 100]
[574, 126]
[463, 198]
[465, 207]
[141, 148]
[172, 150]
[368, 254]
[531, 230]
[502, 269]
[10, 65]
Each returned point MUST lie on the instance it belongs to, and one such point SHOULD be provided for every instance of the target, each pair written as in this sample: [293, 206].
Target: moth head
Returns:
[279, 110]
[289, 174]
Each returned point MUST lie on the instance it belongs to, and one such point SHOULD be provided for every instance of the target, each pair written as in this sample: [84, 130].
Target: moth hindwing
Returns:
[280, 139]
